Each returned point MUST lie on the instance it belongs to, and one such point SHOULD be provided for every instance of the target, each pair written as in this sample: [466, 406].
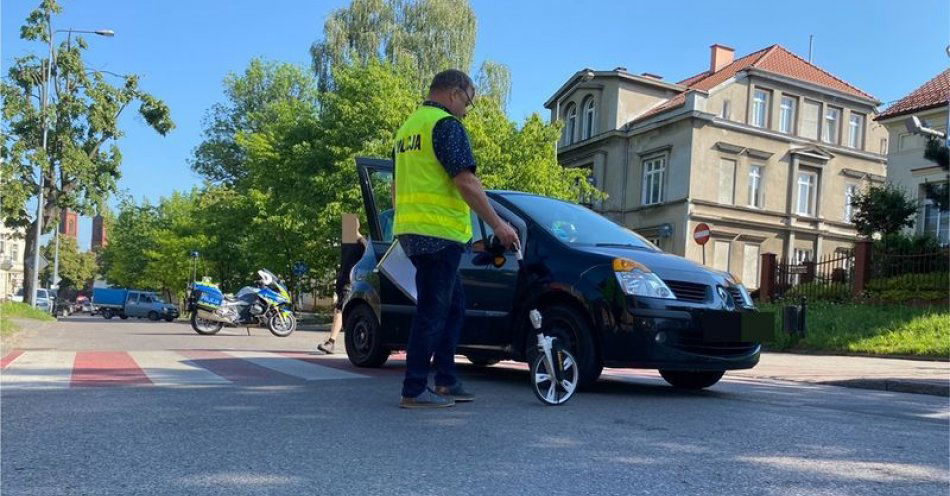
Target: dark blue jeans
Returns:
[440, 313]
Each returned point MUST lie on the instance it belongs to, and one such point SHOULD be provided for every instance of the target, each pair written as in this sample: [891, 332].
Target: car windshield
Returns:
[41, 293]
[577, 225]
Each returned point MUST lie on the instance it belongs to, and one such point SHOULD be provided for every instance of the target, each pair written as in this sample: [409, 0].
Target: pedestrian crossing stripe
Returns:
[48, 369]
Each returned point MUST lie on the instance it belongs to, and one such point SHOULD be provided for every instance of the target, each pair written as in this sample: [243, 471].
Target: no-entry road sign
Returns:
[701, 233]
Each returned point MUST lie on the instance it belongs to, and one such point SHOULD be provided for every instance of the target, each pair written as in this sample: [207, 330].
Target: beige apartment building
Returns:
[766, 149]
[12, 247]
[906, 166]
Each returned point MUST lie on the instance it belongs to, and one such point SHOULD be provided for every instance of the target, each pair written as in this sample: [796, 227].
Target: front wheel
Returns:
[364, 340]
[575, 335]
[153, 316]
[691, 379]
[204, 327]
[282, 325]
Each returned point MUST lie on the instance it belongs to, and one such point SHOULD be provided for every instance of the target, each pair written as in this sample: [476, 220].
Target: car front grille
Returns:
[689, 291]
[692, 342]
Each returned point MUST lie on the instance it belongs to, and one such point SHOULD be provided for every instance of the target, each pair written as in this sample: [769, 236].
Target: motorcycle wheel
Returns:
[204, 327]
[282, 327]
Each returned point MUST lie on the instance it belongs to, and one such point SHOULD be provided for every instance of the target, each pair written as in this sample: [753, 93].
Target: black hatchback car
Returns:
[614, 298]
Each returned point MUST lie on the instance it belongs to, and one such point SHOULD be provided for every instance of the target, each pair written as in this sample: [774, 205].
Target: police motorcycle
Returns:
[267, 304]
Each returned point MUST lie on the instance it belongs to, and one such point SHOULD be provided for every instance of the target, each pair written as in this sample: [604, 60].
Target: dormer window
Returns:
[571, 125]
[587, 127]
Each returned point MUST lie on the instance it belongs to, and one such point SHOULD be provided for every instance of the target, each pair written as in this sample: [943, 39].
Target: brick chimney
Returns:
[720, 56]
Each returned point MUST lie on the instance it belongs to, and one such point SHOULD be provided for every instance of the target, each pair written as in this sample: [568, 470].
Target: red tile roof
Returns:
[931, 94]
[774, 59]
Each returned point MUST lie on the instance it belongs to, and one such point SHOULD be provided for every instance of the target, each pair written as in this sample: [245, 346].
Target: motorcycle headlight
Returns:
[637, 279]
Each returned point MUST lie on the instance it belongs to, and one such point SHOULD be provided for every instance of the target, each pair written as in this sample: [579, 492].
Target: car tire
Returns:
[363, 338]
[169, 319]
[573, 331]
[153, 316]
[480, 361]
[107, 314]
[691, 379]
[123, 316]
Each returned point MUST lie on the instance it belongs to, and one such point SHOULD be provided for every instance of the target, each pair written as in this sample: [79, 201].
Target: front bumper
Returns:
[687, 339]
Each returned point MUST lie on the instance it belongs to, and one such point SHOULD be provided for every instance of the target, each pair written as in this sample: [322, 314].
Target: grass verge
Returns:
[12, 309]
[868, 329]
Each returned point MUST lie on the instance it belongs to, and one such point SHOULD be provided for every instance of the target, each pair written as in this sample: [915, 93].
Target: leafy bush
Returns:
[908, 287]
[18, 310]
[835, 292]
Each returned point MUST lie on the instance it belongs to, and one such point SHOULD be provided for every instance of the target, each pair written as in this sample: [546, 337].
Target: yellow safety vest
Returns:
[427, 201]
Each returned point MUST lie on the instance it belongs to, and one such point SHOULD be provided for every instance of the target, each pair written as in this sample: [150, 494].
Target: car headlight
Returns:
[637, 279]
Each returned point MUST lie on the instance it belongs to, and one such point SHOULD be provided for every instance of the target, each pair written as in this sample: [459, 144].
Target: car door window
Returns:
[481, 234]
[133, 298]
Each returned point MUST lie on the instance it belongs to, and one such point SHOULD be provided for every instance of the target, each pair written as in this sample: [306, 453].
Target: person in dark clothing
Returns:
[352, 248]
[436, 190]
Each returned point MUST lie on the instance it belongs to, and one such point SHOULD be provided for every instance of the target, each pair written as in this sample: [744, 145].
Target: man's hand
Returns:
[507, 235]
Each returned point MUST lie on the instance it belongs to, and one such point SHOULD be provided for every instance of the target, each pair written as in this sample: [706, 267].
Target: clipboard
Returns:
[396, 265]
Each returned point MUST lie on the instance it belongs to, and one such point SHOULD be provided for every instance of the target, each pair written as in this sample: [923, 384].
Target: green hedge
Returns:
[908, 287]
[12, 309]
[871, 329]
[837, 292]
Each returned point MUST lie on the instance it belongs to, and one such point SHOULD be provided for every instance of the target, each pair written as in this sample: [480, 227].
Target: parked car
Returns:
[613, 297]
[125, 303]
[44, 299]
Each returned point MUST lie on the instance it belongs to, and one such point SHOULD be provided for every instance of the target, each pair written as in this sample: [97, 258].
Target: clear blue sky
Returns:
[183, 50]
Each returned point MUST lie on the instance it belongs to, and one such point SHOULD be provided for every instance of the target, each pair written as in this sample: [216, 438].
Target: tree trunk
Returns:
[28, 264]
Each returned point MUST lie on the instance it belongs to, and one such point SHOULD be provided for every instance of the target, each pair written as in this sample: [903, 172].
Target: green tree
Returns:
[76, 268]
[882, 209]
[123, 261]
[246, 109]
[81, 163]
[423, 36]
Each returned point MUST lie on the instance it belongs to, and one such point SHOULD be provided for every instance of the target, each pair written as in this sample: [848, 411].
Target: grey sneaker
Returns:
[456, 392]
[428, 399]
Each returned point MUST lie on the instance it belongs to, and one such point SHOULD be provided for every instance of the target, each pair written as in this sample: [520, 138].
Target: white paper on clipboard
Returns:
[399, 269]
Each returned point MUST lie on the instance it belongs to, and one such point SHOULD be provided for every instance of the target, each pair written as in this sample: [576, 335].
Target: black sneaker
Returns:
[428, 399]
[326, 347]
[456, 392]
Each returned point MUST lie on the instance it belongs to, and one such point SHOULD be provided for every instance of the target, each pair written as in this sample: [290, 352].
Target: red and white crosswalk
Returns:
[49, 369]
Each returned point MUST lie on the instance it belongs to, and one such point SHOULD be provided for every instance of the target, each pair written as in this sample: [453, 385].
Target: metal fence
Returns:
[829, 277]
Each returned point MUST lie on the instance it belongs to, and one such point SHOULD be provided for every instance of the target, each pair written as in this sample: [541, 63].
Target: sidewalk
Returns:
[886, 374]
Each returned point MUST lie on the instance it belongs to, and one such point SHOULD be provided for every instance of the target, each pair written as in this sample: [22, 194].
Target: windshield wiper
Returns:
[622, 245]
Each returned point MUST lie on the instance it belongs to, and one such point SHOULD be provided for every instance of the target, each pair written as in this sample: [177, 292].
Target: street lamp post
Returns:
[39, 198]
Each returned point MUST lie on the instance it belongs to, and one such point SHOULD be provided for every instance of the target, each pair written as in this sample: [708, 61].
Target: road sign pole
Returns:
[704, 254]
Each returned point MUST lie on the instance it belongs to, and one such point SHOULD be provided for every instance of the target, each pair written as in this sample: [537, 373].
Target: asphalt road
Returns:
[274, 426]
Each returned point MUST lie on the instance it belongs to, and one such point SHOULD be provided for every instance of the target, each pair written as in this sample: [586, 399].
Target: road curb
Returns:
[932, 388]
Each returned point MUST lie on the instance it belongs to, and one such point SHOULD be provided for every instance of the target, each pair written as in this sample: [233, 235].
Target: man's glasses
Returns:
[470, 103]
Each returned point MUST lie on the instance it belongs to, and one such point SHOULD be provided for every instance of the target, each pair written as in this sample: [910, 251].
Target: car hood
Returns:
[667, 266]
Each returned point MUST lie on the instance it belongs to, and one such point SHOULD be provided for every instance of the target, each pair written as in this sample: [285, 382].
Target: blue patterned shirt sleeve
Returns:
[451, 146]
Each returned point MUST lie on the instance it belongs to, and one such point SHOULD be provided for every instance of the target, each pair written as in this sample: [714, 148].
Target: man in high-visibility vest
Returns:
[436, 189]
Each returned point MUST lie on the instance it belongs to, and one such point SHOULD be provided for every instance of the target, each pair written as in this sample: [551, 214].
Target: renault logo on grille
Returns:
[726, 298]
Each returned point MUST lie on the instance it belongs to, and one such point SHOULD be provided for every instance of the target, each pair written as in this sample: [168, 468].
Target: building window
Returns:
[829, 133]
[760, 108]
[809, 127]
[721, 254]
[571, 126]
[727, 110]
[936, 221]
[750, 265]
[856, 128]
[789, 110]
[587, 127]
[801, 255]
[807, 187]
[850, 191]
[883, 146]
[727, 181]
[755, 186]
[654, 172]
